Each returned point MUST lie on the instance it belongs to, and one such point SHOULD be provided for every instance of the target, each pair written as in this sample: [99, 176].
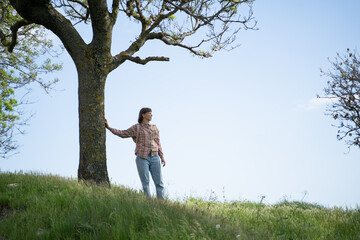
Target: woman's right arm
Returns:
[131, 132]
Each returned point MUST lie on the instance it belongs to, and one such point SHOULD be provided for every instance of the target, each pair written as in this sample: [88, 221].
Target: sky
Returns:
[238, 126]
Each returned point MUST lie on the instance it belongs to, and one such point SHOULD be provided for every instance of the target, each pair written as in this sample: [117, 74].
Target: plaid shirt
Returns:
[149, 139]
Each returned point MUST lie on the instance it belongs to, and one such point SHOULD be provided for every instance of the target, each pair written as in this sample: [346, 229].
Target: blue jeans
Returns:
[151, 164]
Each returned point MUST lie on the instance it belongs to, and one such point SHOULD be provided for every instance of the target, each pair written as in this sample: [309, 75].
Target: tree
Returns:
[175, 23]
[344, 90]
[21, 46]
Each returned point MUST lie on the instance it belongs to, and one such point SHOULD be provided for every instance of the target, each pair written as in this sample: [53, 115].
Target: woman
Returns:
[148, 151]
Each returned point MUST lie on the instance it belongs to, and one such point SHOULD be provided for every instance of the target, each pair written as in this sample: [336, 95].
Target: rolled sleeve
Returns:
[131, 132]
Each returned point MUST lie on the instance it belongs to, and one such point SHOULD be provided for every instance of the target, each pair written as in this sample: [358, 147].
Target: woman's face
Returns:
[147, 116]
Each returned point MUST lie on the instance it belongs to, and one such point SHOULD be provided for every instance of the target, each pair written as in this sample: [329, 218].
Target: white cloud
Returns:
[315, 103]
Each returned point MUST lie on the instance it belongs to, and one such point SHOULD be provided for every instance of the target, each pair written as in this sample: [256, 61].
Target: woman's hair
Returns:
[143, 111]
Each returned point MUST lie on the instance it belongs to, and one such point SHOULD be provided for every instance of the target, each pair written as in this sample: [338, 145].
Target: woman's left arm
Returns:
[131, 132]
[161, 154]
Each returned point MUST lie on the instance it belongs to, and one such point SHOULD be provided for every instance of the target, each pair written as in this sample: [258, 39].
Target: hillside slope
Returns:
[36, 206]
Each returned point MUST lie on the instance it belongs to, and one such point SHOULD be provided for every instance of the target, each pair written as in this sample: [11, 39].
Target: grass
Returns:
[51, 207]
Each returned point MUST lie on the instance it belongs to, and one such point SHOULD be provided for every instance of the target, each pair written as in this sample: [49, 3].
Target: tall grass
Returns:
[52, 207]
[287, 220]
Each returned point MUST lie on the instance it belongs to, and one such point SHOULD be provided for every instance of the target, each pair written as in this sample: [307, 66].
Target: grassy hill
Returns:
[35, 206]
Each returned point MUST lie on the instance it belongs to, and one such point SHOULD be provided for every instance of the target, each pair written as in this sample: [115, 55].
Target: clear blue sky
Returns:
[242, 124]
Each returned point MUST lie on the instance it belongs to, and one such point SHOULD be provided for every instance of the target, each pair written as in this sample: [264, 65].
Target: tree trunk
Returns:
[92, 164]
[92, 63]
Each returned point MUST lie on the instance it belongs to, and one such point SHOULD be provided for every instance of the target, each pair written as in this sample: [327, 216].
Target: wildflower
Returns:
[11, 185]
[238, 236]
[217, 226]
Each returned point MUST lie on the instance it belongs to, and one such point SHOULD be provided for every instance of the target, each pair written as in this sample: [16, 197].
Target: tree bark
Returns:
[92, 164]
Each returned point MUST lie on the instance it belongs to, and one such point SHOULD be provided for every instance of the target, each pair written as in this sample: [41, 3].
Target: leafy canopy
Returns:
[22, 48]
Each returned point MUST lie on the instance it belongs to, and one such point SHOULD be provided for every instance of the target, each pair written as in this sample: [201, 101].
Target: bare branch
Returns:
[129, 9]
[81, 3]
[115, 11]
[124, 56]
[200, 17]
[160, 16]
[191, 49]
[72, 12]
[142, 17]
[146, 60]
